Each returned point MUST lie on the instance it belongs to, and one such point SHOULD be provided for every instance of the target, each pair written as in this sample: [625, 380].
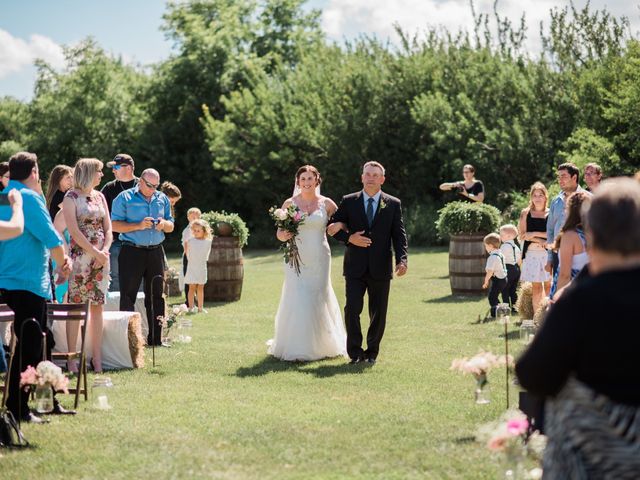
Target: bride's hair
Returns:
[309, 168]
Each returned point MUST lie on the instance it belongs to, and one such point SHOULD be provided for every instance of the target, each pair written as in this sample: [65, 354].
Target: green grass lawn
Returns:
[219, 407]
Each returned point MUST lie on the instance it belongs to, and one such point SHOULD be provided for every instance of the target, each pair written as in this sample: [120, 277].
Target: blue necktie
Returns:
[370, 211]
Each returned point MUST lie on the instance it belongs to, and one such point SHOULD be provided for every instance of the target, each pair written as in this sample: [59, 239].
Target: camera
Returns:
[156, 221]
[459, 187]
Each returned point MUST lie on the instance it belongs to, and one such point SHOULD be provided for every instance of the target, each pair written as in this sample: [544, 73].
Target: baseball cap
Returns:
[121, 159]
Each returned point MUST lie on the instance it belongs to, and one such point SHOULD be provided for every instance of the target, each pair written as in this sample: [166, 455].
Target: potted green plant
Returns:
[221, 221]
[466, 224]
[225, 270]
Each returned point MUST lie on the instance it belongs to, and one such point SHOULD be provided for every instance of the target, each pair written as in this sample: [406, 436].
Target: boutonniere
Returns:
[382, 204]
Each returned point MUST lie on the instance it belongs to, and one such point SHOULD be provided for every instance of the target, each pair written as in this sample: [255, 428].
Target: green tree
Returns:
[13, 120]
[8, 148]
[221, 47]
[92, 108]
[585, 146]
[621, 111]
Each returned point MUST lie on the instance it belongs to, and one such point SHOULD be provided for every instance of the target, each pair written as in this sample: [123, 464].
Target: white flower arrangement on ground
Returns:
[480, 364]
[171, 319]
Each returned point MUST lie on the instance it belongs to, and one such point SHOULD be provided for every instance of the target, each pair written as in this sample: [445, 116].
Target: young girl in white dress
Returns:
[197, 249]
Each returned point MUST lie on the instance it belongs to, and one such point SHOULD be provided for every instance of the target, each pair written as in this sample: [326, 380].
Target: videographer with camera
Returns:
[470, 189]
[142, 215]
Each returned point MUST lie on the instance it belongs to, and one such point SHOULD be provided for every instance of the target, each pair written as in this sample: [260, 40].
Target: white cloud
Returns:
[349, 18]
[16, 53]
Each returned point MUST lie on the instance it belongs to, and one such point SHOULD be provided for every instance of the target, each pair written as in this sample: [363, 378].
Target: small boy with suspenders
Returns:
[496, 270]
[512, 259]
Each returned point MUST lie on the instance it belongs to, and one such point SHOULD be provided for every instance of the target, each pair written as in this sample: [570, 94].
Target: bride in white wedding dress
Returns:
[308, 324]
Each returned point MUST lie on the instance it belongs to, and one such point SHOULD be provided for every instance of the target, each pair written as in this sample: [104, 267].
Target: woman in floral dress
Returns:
[87, 217]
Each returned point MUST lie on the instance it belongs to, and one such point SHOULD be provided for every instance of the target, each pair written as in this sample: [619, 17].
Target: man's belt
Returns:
[142, 247]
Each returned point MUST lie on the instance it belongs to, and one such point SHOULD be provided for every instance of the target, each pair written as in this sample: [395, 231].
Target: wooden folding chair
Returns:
[72, 312]
[7, 316]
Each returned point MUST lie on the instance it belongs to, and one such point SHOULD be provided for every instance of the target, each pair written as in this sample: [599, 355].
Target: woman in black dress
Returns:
[470, 189]
[584, 358]
[60, 181]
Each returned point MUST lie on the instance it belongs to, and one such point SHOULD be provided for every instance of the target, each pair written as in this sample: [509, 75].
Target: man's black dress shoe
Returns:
[60, 410]
[370, 360]
[31, 418]
[356, 360]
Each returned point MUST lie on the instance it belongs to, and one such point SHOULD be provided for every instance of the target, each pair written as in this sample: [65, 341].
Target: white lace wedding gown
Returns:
[308, 324]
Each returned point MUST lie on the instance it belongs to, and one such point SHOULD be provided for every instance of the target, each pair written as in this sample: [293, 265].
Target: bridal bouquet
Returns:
[289, 219]
[46, 373]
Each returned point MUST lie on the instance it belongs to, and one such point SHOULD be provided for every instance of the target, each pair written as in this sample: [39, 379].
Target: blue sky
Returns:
[131, 28]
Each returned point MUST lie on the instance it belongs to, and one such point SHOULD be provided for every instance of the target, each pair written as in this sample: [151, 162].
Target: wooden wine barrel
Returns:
[225, 270]
[467, 261]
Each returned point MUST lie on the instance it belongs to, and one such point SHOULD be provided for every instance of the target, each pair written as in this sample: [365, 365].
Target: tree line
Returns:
[253, 90]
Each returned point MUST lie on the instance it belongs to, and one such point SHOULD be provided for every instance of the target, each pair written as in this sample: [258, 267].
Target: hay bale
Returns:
[136, 342]
[524, 305]
[538, 318]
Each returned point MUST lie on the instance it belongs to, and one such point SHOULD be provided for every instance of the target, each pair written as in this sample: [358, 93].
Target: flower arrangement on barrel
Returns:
[479, 366]
[289, 219]
[46, 378]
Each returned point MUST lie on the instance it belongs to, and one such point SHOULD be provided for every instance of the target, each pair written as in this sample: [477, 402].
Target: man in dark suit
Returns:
[373, 222]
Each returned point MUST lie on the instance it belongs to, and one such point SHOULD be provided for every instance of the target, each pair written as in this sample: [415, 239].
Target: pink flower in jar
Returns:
[517, 426]
[28, 377]
[90, 285]
[497, 444]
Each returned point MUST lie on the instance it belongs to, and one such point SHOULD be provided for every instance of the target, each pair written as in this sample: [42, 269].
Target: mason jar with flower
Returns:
[45, 378]
[479, 366]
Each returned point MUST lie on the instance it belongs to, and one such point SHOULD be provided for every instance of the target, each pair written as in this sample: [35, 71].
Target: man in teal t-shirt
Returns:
[24, 275]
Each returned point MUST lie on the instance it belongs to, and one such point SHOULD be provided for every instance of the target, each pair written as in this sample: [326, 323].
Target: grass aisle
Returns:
[220, 408]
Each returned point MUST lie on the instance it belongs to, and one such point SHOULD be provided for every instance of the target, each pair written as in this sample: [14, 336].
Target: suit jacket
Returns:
[387, 228]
